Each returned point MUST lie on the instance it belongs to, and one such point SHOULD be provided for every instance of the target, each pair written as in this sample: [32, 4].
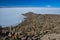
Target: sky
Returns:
[11, 10]
[29, 3]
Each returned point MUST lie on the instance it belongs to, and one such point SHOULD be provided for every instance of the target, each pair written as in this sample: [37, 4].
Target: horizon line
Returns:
[28, 6]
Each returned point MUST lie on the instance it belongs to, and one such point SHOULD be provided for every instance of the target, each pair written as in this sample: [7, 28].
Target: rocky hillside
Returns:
[39, 24]
[35, 26]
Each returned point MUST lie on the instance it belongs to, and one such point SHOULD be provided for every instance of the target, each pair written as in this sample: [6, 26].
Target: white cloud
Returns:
[11, 16]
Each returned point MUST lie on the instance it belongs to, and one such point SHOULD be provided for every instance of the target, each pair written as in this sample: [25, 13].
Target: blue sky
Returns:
[29, 3]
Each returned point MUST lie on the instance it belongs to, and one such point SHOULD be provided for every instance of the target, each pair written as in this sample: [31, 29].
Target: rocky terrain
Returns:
[36, 27]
